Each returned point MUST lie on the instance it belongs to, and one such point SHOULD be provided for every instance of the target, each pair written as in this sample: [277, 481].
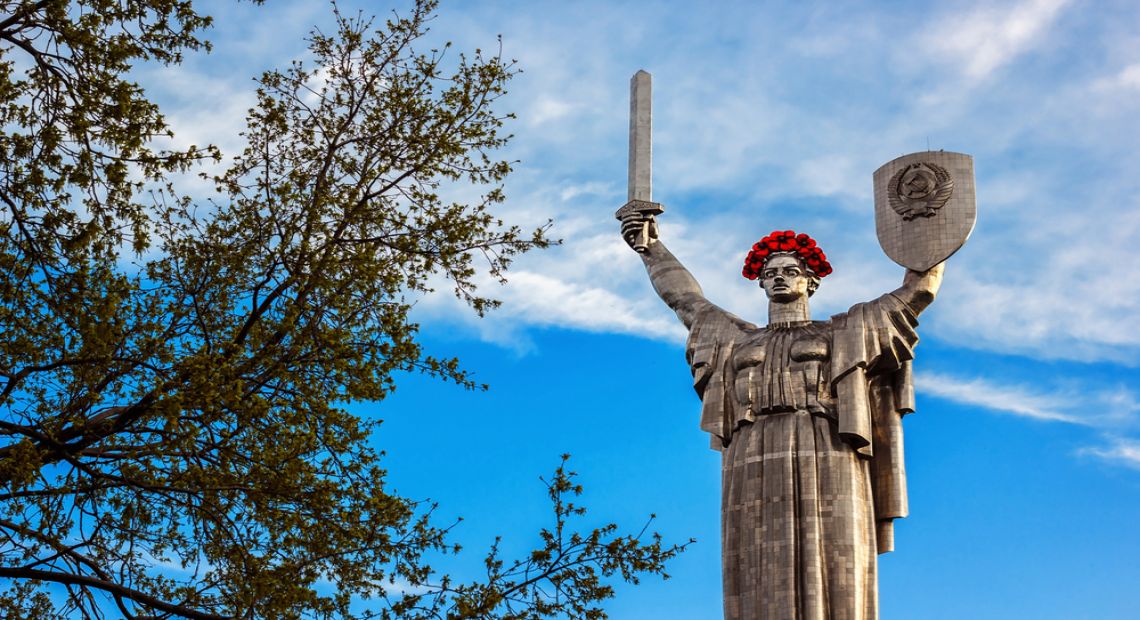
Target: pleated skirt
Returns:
[797, 527]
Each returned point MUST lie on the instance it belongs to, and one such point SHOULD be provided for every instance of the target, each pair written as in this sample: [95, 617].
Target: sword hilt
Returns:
[640, 209]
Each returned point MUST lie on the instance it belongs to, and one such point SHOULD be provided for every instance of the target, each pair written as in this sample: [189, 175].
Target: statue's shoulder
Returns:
[709, 318]
[885, 305]
[713, 335]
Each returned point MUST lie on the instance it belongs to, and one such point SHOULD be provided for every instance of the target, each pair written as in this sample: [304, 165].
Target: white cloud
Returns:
[831, 174]
[594, 188]
[544, 110]
[552, 301]
[1105, 408]
[1007, 399]
[1130, 76]
[196, 120]
[1112, 411]
[1051, 284]
[1126, 79]
[774, 117]
[593, 283]
[766, 127]
[1119, 451]
[989, 37]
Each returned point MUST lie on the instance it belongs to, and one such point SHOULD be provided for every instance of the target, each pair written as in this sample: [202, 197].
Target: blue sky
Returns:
[1024, 455]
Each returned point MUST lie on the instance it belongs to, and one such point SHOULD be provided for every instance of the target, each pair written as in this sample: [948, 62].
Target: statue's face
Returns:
[785, 279]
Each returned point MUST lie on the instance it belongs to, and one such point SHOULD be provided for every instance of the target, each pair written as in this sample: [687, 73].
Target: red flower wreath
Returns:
[786, 242]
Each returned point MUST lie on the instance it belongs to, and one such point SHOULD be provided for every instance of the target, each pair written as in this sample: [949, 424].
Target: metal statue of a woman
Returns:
[807, 414]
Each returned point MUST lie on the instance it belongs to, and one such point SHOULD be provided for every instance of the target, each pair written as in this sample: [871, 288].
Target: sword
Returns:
[640, 203]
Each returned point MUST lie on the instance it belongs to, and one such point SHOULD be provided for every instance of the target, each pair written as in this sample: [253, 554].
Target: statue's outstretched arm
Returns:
[673, 283]
[920, 287]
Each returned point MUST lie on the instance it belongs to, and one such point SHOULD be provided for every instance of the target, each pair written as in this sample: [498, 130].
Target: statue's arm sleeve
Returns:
[712, 338]
[920, 287]
[673, 283]
[871, 338]
[873, 348]
[713, 332]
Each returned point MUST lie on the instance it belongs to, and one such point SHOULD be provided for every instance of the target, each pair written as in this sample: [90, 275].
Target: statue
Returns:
[808, 414]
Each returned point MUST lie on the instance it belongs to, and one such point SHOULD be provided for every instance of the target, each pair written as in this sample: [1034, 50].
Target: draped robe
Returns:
[807, 417]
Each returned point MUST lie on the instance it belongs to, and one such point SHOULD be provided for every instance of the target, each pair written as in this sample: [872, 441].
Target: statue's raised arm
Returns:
[919, 288]
[672, 281]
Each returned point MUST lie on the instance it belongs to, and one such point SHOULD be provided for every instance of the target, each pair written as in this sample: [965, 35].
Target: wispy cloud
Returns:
[1118, 451]
[778, 122]
[731, 129]
[1127, 79]
[552, 301]
[1016, 400]
[1113, 411]
[988, 38]
[1098, 407]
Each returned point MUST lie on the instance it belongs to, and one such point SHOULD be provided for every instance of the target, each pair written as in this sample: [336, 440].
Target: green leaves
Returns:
[173, 440]
[77, 132]
[567, 577]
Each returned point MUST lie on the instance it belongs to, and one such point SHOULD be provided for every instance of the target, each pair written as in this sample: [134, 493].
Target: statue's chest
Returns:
[784, 370]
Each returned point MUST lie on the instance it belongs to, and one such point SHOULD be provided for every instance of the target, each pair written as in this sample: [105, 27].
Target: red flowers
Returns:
[786, 242]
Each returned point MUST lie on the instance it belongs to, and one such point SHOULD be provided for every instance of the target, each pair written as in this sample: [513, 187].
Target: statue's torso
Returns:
[784, 368]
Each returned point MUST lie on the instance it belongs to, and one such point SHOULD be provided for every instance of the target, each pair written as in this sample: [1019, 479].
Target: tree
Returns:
[171, 369]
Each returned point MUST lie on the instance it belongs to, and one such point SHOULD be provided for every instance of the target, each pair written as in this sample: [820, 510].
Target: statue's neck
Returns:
[795, 311]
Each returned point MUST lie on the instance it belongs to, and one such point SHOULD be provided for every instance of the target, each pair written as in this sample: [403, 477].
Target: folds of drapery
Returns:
[872, 348]
[871, 351]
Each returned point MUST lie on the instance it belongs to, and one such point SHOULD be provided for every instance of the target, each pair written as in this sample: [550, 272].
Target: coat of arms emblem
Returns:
[920, 190]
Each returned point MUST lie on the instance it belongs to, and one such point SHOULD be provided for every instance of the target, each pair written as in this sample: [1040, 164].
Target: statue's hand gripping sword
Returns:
[640, 206]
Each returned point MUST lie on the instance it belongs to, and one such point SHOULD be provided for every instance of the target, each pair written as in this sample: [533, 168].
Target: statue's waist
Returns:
[816, 408]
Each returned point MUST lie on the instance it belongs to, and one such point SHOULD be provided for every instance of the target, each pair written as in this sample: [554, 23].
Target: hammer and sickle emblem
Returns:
[919, 190]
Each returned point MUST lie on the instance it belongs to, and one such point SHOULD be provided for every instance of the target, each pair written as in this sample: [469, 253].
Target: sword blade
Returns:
[640, 137]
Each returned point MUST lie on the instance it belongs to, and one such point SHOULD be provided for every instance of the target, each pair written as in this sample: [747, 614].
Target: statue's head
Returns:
[785, 278]
[787, 265]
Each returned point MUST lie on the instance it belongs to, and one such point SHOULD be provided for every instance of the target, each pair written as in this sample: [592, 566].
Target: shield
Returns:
[924, 207]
